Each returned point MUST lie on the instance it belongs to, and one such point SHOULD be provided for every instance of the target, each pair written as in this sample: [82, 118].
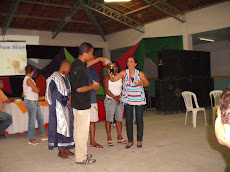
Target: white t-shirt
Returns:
[115, 88]
[27, 90]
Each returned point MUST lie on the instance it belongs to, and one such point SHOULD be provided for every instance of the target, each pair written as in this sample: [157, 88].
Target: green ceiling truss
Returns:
[93, 19]
[108, 12]
[166, 8]
[69, 14]
[10, 15]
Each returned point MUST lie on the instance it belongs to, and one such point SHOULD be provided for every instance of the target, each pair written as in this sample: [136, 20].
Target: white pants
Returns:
[81, 133]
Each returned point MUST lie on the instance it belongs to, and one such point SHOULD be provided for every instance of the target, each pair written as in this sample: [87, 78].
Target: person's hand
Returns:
[69, 102]
[138, 83]
[104, 61]
[12, 99]
[111, 77]
[116, 98]
[96, 85]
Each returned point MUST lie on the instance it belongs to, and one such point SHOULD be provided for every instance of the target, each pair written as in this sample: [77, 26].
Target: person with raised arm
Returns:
[133, 95]
[81, 100]
[113, 105]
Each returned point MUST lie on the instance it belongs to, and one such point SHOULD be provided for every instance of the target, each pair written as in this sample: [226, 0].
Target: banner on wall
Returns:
[13, 58]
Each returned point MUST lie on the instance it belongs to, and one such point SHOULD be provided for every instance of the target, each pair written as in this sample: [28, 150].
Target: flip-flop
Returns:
[122, 141]
[96, 146]
[70, 153]
[110, 142]
[34, 142]
[44, 138]
[64, 156]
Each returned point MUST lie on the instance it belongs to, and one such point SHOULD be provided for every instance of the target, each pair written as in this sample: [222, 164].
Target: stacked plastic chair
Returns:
[215, 100]
[188, 96]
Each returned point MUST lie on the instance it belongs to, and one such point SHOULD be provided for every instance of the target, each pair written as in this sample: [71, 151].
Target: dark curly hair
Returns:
[118, 66]
[225, 106]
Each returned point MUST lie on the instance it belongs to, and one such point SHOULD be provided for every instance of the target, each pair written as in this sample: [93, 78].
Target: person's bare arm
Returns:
[32, 85]
[88, 88]
[117, 77]
[96, 82]
[9, 100]
[94, 61]
[105, 84]
[143, 80]
[69, 101]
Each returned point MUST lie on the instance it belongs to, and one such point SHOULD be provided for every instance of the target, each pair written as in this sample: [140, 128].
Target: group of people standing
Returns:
[71, 94]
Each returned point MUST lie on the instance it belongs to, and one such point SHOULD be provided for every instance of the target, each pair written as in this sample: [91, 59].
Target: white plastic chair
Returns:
[215, 95]
[187, 95]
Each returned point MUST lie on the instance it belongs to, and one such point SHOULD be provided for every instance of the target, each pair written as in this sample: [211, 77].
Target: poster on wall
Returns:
[13, 58]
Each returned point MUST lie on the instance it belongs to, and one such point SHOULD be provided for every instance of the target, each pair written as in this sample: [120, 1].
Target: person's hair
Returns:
[135, 60]
[225, 106]
[118, 66]
[64, 62]
[29, 69]
[85, 47]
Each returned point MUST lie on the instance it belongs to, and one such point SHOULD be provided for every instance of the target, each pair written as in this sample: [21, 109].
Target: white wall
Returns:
[205, 19]
[31, 40]
[220, 55]
[62, 39]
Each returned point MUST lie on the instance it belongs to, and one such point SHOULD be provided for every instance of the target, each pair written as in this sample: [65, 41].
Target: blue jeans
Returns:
[129, 121]
[6, 121]
[34, 112]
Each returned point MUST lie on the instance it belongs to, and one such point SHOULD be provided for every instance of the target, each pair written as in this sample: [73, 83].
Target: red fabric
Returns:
[101, 111]
[98, 67]
[41, 83]
[122, 61]
[7, 87]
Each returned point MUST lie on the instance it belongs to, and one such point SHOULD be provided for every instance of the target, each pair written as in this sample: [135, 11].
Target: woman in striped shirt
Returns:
[133, 95]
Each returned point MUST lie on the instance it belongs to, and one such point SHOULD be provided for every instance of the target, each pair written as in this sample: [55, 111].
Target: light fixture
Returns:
[205, 39]
[117, 0]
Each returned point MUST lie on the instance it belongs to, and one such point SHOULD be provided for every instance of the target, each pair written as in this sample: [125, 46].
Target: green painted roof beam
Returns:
[110, 13]
[169, 9]
[63, 22]
[94, 21]
[10, 15]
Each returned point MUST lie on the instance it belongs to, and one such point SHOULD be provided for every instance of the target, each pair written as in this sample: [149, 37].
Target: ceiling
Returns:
[92, 16]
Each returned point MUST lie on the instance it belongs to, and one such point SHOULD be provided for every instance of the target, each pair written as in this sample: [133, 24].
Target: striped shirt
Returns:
[133, 94]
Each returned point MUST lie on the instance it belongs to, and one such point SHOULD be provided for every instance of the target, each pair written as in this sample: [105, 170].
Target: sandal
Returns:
[110, 142]
[64, 156]
[33, 142]
[44, 137]
[96, 146]
[129, 145]
[122, 141]
[70, 153]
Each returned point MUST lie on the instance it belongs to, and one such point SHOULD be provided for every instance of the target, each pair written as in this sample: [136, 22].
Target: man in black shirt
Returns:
[81, 100]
